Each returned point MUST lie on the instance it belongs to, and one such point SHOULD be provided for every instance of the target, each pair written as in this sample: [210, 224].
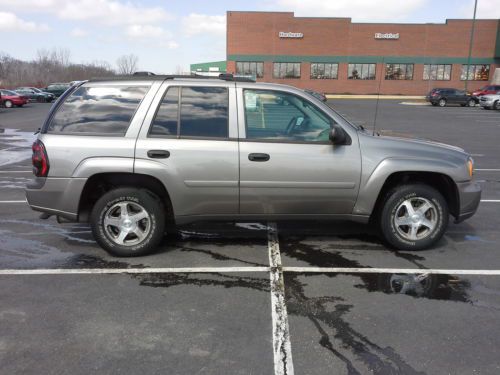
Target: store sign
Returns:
[386, 36]
[283, 34]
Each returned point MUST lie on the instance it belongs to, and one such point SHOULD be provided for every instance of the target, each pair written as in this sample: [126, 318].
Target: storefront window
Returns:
[286, 70]
[399, 71]
[361, 71]
[250, 68]
[437, 72]
[324, 71]
[476, 73]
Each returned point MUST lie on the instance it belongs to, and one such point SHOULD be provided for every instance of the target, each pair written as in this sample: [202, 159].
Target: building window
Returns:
[437, 72]
[324, 71]
[476, 73]
[250, 68]
[361, 71]
[399, 71]
[286, 70]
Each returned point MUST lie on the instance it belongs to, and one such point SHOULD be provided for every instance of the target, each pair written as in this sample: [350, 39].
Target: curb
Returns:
[404, 97]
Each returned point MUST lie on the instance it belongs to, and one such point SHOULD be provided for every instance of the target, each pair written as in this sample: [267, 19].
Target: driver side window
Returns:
[280, 116]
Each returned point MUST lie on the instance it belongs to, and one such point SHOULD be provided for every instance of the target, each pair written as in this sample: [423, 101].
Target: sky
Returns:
[169, 35]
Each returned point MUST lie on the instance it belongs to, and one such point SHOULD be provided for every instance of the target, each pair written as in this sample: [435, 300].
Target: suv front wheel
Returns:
[128, 222]
[413, 217]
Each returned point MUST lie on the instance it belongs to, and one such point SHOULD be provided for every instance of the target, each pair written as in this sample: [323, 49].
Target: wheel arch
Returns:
[439, 181]
[100, 183]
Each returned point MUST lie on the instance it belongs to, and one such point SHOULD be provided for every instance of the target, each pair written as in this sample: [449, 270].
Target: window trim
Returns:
[252, 62]
[179, 103]
[361, 79]
[399, 79]
[286, 62]
[318, 63]
[430, 79]
[246, 139]
[468, 66]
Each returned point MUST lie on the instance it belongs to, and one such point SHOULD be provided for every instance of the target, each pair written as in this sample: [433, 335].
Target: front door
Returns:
[288, 166]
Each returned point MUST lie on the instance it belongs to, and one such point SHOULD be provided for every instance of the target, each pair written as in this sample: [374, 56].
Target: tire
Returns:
[496, 105]
[8, 104]
[434, 104]
[442, 102]
[471, 103]
[423, 229]
[117, 235]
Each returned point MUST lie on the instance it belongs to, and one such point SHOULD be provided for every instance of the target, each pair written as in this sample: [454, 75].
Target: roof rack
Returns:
[147, 76]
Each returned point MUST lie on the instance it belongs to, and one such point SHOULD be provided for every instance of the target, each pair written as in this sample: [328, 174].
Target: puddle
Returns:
[203, 279]
[17, 146]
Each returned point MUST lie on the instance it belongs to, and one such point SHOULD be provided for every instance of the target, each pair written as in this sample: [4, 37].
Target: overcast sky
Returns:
[170, 33]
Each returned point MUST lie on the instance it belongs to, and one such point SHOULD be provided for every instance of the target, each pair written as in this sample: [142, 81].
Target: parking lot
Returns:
[255, 298]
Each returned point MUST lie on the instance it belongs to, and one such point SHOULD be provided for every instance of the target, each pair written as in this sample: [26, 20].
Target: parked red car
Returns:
[11, 98]
[486, 90]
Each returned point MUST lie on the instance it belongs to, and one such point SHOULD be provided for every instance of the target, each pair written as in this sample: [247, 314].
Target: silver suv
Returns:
[135, 156]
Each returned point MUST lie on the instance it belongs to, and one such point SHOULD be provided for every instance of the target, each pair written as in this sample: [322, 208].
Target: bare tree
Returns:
[127, 64]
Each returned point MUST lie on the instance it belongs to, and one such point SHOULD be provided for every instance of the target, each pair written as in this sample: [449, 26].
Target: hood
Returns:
[388, 134]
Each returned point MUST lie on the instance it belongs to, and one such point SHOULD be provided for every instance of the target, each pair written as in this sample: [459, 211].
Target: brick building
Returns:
[335, 55]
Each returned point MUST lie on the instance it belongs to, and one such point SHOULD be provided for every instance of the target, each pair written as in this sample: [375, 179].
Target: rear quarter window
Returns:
[98, 110]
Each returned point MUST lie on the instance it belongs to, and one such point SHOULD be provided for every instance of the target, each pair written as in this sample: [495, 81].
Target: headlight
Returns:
[470, 166]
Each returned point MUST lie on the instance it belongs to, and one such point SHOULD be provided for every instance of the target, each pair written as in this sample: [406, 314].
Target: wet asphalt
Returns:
[221, 322]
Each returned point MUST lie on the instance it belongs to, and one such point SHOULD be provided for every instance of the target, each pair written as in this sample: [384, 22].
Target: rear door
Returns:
[189, 142]
[287, 164]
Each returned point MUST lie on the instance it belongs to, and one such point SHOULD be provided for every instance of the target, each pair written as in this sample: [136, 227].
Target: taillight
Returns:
[40, 159]
[434, 94]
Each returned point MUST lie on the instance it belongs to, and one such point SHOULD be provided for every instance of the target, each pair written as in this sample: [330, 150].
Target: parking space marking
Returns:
[16, 171]
[490, 200]
[390, 270]
[23, 201]
[486, 170]
[106, 271]
[282, 347]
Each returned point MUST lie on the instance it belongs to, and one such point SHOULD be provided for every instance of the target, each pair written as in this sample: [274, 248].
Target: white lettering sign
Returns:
[386, 36]
[283, 34]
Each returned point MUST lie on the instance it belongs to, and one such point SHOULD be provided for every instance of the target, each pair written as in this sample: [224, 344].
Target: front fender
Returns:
[372, 183]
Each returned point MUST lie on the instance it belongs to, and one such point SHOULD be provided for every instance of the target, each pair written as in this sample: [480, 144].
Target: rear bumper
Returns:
[469, 194]
[56, 196]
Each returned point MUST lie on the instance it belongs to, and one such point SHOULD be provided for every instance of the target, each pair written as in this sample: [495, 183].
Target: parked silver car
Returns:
[490, 101]
[137, 155]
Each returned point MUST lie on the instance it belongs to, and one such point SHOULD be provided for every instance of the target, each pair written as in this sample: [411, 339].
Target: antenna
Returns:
[378, 96]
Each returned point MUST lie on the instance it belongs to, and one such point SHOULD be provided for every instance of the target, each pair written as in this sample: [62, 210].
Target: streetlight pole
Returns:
[470, 45]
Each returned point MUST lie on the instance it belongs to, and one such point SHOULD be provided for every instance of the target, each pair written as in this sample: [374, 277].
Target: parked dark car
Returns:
[444, 96]
[316, 94]
[35, 94]
[12, 98]
[57, 88]
[486, 90]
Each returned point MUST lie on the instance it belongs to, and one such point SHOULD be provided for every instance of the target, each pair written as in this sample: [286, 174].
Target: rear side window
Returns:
[98, 110]
[203, 113]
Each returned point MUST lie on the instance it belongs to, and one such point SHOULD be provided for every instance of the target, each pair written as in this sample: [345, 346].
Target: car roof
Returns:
[221, 77]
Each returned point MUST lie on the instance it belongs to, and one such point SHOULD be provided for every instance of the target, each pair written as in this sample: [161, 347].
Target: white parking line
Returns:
[24, 201]
[490, 200]
[16, 171]
[106, 271]
[390, 270]
[282, 347]
[486, 170]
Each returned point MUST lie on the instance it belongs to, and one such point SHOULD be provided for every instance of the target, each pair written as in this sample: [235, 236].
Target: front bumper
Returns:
[469, 194]
[56, 196]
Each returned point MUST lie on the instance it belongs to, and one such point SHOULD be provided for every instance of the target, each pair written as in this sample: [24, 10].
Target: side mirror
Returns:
[337, 135]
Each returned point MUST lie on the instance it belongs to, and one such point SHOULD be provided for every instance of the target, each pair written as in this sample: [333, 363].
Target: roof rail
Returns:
[148, 77]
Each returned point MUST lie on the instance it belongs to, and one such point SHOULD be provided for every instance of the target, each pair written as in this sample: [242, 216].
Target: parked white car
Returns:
[490, 101]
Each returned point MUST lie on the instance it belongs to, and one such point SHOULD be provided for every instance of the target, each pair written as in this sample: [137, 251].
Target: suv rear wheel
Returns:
[442, 102]
[128, 222]
[414, 217]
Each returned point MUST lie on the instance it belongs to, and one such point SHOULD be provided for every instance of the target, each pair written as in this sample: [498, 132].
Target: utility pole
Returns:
[470, 45]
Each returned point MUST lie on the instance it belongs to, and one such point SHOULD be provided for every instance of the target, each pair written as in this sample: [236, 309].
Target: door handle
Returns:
[258, 157]
[158, 154]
